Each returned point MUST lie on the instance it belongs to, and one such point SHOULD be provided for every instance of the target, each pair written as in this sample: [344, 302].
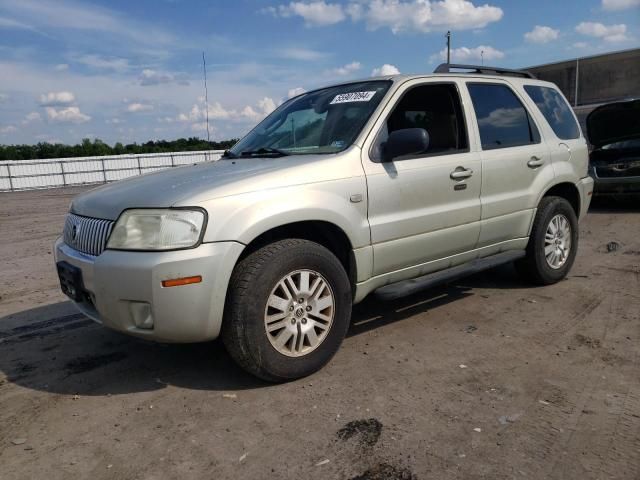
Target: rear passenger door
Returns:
[515, 162]
[568, 148]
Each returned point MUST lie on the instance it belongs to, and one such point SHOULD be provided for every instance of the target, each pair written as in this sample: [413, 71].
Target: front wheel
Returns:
[288, 310]
[553, 242]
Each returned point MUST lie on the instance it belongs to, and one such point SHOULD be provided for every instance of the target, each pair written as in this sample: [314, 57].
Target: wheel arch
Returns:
[569, 192]
[323, 232]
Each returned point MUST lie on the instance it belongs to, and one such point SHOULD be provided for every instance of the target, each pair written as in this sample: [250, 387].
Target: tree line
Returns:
[97, 147]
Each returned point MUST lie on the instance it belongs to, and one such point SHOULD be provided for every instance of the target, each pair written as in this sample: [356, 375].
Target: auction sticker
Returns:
[353, 97]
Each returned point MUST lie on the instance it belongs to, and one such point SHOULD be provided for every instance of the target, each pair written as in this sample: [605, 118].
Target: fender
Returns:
[244, 217]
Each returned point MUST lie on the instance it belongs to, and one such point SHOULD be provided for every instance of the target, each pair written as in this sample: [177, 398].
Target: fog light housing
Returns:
[142, 315]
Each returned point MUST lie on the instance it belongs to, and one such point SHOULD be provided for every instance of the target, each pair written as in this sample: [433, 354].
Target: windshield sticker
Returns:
[353, 97]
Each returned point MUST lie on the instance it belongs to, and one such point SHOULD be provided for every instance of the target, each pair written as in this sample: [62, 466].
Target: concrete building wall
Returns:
[601, 78]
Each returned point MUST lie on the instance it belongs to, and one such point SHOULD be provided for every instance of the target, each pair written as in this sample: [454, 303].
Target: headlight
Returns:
[155, 229]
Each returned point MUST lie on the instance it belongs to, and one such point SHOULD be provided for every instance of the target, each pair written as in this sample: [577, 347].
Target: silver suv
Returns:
[340, 191]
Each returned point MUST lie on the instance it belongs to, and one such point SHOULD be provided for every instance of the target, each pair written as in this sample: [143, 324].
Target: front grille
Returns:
[87, 235]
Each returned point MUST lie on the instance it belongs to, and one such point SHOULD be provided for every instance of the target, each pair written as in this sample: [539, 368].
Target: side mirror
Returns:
[408, 141]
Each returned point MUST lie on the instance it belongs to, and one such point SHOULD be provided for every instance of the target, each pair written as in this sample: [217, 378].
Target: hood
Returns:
[190, 185]
[614, 122]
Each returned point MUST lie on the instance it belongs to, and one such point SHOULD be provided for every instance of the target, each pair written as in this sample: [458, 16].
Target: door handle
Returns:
[535, 162]
[461, 173]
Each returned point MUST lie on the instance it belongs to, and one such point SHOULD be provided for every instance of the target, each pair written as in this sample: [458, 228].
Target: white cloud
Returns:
[619, 4]
[136, 107]
[294, 92]
[103, 63]
[31, 117]
[200, 127]
[14, 24]
[8, 129]
[45, 137]
[3, 97]
[198, 112]
[216, 111]
[384, 70]
[609, 33]
[100, 95]
[541, 34]
[67, 115]
[61, 67]
[264, 107]
[253, 113]
[317, 13]
[250, 113]
[398, 15]
[503, 118]
[298, 53]
[70, 14]
[113, 121]
[347, 69]
[152, 77]
[267, 105]
[52, 99]
[424, 15]
[580, 45]
[465, 54]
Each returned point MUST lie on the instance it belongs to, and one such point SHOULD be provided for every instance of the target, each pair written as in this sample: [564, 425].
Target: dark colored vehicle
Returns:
[614, 162]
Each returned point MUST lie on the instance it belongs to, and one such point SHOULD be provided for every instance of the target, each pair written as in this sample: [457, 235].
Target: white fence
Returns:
[61, 172]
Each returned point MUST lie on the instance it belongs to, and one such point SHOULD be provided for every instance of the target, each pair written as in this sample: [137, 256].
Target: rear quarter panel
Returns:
[569, 157]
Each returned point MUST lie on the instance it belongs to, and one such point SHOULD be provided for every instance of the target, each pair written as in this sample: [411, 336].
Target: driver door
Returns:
[424, 209]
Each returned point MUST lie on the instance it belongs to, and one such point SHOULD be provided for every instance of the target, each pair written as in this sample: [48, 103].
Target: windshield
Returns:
[322, 121]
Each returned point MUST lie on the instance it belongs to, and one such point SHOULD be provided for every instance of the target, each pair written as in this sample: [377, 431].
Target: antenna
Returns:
[206, 94]
[448, 35]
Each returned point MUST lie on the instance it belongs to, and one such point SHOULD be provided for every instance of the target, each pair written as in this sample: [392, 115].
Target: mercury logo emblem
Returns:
[75, 230]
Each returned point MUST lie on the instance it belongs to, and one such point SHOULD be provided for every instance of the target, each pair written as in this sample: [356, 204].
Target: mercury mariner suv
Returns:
[339, 192]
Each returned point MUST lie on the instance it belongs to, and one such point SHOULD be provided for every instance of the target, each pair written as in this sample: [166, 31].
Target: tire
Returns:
[256, 297]
[535, 266]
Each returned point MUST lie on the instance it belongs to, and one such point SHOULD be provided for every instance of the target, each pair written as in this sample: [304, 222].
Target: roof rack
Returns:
[446, 68]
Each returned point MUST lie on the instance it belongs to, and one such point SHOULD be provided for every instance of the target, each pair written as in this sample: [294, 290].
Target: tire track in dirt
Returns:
[547, 426]
[621, 459]
[615, 451]
[47, 327]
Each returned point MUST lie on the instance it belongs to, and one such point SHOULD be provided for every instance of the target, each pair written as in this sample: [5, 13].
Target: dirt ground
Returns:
[485, 378]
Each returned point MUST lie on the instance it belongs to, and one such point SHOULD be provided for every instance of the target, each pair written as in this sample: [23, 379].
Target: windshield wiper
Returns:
[265, 151]
[229, 154]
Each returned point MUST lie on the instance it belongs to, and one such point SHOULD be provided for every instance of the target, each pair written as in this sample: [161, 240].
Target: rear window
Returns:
[502, 119]
[555, 110]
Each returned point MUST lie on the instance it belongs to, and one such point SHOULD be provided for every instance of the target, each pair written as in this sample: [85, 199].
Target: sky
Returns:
[131, 70]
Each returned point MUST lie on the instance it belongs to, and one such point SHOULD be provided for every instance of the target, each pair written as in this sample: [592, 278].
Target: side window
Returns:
[438, 110]
[502, 119]
[555, 110]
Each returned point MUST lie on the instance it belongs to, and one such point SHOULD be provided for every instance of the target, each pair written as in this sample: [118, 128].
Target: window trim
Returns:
[566, 102]
[531, 119]
[424, 155]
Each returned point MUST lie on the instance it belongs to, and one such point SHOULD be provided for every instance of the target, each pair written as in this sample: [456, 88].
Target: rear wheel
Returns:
[553, 242]
[288, 309]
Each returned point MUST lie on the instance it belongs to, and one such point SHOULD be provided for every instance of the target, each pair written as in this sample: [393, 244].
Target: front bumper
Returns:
[123, 286]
